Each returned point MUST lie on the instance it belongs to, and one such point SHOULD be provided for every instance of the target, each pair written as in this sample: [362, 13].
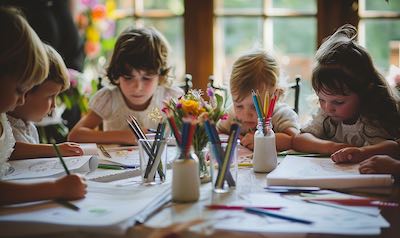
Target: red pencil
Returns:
[227, 207]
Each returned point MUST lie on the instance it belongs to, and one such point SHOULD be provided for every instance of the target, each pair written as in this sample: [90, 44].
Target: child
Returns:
[139, 72]
[258, 70]
[40, 101]
[23, 64]
[357, 107]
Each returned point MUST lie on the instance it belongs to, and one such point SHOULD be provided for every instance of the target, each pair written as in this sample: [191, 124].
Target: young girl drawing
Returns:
[260, 71]
[357, 108]
[24, 64]
[139, 73]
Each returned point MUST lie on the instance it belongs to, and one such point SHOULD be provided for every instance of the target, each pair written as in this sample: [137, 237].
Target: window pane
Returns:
[174, 36]
[176, 6]
[295, 46]
[374, 5]
[235, 36]
[239, 5]
[303, 5]
[124, 23]
[124, 4]
[378, 35]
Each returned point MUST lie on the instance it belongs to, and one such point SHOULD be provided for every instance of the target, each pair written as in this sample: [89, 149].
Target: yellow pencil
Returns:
[266, 103]
[259, 102]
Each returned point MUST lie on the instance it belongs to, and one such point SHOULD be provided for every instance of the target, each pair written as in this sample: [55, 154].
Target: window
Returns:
[379, 29]
[288, 28]
[164, 15]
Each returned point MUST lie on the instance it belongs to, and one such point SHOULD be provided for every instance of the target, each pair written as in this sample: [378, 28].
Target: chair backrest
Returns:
[188, 83]
[224, 91]
[296, 88]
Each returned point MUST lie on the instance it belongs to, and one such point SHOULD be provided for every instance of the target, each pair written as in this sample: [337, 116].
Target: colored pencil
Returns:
[264, 212]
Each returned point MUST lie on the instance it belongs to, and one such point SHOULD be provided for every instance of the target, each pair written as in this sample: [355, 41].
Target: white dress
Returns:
[110, 105]
[360, 133]
[7, 143]
[283, 118]
[24, 131]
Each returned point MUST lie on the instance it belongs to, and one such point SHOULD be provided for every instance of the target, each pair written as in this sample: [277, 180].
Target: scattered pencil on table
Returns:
[263, 212]
[227, 207]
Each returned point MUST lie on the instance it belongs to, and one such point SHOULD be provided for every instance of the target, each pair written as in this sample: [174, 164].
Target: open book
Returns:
[324, 173]
[50, 167]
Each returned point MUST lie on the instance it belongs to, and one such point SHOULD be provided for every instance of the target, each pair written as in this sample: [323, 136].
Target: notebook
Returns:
[324, 173]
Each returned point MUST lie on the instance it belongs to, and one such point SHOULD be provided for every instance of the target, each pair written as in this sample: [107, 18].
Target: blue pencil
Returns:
[264, 212]
[256, 104]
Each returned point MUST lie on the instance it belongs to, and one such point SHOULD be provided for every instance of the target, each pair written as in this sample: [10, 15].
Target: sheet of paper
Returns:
[89, 148]
[323, 172]
[325, 219]
[45, 167]
[107, 209]
[130, 155]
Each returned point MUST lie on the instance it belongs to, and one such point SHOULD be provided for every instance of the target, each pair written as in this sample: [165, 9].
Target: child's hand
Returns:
[348, 155]
[380, 164]
[247, 140]
[71, 187]
[70, 149]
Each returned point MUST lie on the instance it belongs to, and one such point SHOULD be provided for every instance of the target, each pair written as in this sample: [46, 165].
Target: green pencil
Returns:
[59, 201]
[60, 157]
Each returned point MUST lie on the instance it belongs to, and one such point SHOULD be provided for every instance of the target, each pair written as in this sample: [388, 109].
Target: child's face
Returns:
[245, 112]
[138, 88]
[11, 94]
[341, 108]
[39, 102]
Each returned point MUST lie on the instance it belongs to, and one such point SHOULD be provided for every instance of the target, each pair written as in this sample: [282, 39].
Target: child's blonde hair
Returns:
[254, 70]
[22, 54]
[343, 66]
[58, 72]
[141, 49]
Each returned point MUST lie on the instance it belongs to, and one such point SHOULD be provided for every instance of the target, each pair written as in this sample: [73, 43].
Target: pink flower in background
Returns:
[73, 77]
[89, 3]
[224, 117]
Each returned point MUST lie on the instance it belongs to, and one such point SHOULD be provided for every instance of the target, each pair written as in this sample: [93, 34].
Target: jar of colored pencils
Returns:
[185, 177]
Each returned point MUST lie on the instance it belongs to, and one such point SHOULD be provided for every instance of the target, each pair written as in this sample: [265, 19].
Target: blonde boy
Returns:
[40, 101]
[258, 70]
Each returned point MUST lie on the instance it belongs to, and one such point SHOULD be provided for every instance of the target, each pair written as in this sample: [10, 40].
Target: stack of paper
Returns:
[324, 173]
[106, 209]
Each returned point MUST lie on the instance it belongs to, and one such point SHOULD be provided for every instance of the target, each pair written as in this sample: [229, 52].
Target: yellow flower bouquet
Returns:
[192, 106]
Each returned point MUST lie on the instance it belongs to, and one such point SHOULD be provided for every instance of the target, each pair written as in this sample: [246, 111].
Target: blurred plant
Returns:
[79, 92]
[97, 22]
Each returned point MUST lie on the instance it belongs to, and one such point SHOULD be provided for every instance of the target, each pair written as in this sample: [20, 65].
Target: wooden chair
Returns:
[224, 91]
[296, 88]
[188, 83]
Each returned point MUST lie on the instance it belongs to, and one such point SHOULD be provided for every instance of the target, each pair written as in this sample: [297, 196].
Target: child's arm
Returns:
[307, 142]
[70, 187]
[358, 154]
[84, 131]
[380, 164]
[26, 150]
[284, 139]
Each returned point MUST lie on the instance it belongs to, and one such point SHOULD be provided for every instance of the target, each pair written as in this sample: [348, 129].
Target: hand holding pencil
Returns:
[70, 187]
